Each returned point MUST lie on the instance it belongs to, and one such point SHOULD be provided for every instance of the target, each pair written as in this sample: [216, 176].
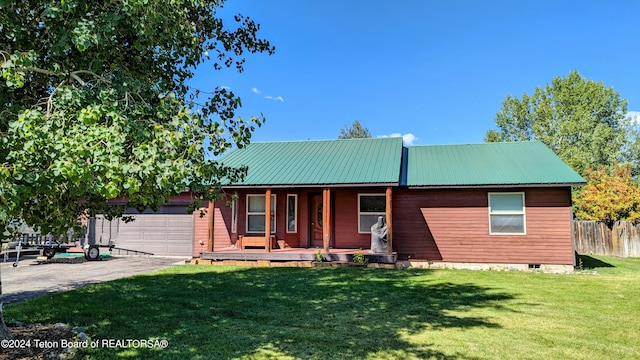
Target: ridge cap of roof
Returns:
[324, 140]
[479, 144]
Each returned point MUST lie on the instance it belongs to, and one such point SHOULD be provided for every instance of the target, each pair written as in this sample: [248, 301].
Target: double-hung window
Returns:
[292, 213]
[507, 214]
[256, 213]
[370, 207]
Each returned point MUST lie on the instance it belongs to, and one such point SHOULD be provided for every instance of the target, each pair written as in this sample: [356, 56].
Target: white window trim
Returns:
[234, 215]
[384, 213]
[295, 214]
[273, 213]
[523, 213]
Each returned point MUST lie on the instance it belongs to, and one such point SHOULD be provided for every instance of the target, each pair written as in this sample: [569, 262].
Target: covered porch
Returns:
[335, 196]
[297, 223]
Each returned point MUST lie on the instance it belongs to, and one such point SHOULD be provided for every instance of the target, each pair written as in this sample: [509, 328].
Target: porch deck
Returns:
[296, 254]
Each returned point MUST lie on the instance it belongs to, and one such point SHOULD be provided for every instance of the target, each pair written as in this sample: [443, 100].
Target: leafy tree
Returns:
[582, 121]
[94, 105]
[611, 194]
[632, 155]
[355, 131]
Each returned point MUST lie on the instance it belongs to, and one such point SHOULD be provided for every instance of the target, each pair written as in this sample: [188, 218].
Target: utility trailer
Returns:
[45, 246]
[49, 247]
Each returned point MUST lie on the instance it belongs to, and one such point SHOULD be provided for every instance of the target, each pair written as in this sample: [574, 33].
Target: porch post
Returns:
[326, 219]
[210, 217]
[267, 220]
[389, 215]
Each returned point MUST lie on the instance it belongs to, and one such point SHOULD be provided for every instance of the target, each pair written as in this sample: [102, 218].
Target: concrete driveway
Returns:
[31, 279]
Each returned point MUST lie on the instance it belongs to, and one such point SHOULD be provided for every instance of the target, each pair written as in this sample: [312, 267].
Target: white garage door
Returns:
[163, 234]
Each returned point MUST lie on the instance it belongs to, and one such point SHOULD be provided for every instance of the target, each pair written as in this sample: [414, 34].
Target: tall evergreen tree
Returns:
[355, 131]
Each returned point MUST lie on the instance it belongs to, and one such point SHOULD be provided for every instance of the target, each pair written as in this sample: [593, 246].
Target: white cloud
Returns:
[228, 88]
[276, 98]
[407, 139]
[257, 91]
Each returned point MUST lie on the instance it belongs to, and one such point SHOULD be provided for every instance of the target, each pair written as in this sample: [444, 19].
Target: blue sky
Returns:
[434, 71]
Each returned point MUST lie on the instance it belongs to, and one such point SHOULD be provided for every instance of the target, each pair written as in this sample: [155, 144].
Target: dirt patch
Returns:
[37, 341]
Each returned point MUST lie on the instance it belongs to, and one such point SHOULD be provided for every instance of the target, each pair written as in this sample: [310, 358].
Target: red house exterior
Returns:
[485, 205]
[453, 226]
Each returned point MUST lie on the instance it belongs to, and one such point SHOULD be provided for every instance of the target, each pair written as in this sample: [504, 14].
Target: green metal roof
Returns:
[507, 163]
[380, 161]
[329, 162]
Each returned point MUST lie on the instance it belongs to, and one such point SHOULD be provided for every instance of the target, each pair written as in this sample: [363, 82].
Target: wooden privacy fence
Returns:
[592, 237]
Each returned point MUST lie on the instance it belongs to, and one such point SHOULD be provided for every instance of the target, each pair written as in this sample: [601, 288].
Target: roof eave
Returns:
[288, 186]
[477, 186]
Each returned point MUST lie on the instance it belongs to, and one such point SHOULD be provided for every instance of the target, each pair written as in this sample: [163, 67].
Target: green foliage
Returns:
[582, 121]
[94, 106]
[632, 155]
[355, 131]
[346, 313]
[358, 257]
[611, 194]
[319, 257]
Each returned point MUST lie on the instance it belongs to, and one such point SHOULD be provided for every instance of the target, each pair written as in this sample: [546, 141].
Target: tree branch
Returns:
[73, 74]
[50, 100]
[36, 70]
[77, 78]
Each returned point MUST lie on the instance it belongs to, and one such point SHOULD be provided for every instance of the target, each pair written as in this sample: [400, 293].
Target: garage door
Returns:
[168, 232]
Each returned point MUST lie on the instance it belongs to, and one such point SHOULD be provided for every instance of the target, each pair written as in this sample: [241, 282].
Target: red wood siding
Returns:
[183, 198]
[222, 236]
[453, 226]
[412, 237]
[200, 232]
[281, 214]
[346, 218]
[438, 225]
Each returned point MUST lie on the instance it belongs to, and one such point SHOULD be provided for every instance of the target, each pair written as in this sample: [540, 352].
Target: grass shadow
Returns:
[319, 313]
[588, 262]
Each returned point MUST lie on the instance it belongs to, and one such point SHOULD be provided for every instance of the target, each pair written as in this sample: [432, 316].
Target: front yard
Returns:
[210, 312]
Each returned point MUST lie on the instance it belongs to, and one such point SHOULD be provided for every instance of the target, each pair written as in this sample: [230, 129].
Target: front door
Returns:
[315, 219]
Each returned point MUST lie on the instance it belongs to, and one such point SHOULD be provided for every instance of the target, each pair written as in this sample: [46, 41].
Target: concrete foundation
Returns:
[546, 268]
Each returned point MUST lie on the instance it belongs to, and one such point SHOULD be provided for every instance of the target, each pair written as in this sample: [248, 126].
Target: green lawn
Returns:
[210, 312]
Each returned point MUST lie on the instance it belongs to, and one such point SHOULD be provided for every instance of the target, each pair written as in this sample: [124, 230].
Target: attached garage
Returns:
[167, 232]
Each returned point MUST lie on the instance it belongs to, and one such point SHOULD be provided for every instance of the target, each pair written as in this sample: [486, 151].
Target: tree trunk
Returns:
[5, 334]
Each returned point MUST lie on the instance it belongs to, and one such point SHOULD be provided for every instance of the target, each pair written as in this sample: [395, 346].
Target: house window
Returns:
[370, 207]
[234, 215]
[292, 213]
[506, 214]
[256, 213]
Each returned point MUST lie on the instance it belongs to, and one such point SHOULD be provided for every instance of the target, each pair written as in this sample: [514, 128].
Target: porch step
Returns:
[267, 263]
[294, 256]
